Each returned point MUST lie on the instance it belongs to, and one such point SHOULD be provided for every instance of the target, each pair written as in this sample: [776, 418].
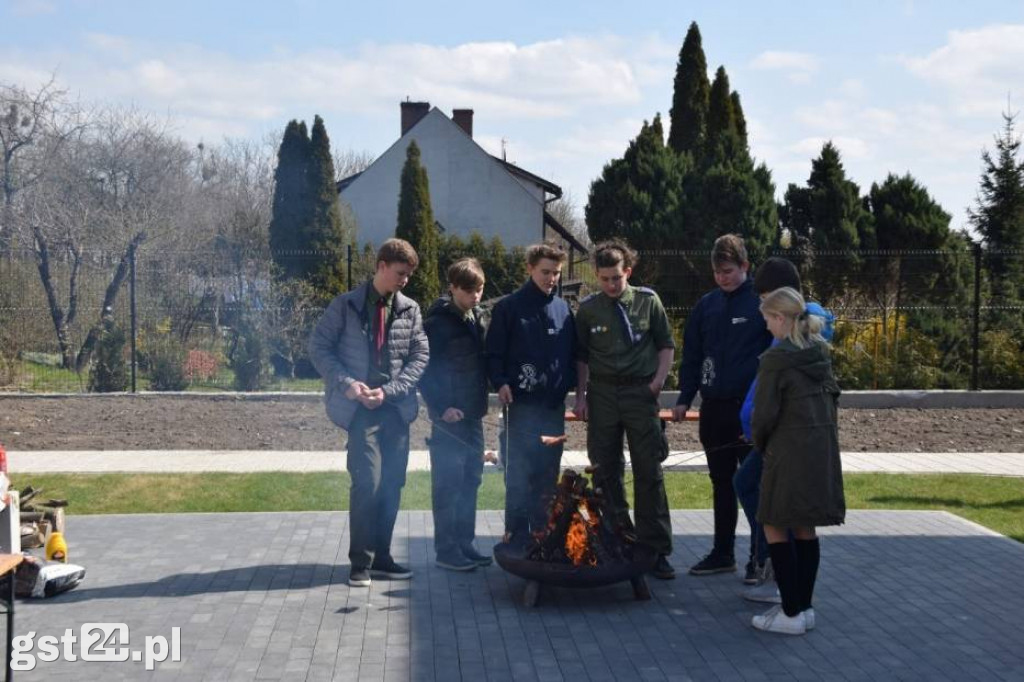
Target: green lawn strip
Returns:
[992, 501]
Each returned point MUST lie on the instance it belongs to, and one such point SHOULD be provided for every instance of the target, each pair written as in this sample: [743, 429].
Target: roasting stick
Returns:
[664, 415]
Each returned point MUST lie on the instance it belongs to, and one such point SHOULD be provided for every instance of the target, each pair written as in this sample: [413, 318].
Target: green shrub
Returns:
[249, 356]
[167, 366]
[109, 373]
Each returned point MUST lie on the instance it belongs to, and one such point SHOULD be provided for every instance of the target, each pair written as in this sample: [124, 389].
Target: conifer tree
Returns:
[689, 111]
[416, 225]
[999, 219]
[292, 207]
[828, 218]
[739, 119]
[325, 236]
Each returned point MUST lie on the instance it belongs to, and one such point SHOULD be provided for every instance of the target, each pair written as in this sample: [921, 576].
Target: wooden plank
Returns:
[666, 415]
[9, 562]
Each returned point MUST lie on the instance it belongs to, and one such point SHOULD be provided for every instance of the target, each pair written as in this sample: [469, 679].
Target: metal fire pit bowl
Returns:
[537, 573]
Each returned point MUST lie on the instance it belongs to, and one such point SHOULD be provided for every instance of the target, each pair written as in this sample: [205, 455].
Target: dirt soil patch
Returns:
[227, 422]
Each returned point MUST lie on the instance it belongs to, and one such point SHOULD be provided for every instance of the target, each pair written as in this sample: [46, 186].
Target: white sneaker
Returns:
[765, 593]
[775, 620]
[809, 618]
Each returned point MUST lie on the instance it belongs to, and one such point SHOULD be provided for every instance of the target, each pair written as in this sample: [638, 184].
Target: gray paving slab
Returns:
[901, 595]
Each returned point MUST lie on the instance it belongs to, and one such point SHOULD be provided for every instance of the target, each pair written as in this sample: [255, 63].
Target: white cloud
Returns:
[853, 88]
[799, 66]
[977, 68]
[500, 80]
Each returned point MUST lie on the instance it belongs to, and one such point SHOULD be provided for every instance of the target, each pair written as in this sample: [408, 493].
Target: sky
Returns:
[899, 87]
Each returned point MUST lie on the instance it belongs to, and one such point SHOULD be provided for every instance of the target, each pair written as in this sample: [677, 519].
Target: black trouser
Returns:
[721, 435]
[456, 469]
[531, 468]
[378, 455]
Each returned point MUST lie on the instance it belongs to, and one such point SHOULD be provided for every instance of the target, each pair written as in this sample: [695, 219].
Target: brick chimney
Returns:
[464, 119]
[412, 112]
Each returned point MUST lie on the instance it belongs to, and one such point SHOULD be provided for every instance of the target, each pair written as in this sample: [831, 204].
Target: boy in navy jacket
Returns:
[725, 334]
[531, 345]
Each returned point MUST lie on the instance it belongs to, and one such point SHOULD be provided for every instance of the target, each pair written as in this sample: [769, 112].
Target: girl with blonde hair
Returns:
[794, 425]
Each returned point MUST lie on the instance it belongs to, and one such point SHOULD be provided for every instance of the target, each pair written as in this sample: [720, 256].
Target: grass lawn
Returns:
[992, 501]
[33, 377]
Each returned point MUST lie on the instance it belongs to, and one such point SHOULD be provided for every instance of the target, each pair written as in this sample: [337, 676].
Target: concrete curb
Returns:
[857, 400]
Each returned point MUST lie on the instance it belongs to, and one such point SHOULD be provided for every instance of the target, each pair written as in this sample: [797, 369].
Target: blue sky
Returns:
[899, 87]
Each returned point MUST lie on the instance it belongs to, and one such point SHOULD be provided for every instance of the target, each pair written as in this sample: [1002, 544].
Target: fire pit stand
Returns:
[537, 573]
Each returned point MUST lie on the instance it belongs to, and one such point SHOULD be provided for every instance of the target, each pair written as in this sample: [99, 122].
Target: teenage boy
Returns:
[625, 353]
[725, 334]
[455, 390]
[531, 346]
[371, 351]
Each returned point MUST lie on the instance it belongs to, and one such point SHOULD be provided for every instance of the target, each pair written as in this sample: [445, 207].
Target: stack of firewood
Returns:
[39, 519]
[576, 502]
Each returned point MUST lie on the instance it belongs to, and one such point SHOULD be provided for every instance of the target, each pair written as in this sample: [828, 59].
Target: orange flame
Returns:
[576, 540]
[576, 543]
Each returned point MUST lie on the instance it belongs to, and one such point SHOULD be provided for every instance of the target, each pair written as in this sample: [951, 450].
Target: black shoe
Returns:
[714, 563]
[752, 572]
[359, 577]
[663, 569]
[454, 561]
[476, 557]
[387, 568]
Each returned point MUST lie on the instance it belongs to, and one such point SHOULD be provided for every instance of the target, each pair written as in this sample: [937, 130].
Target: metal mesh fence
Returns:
[904, 319]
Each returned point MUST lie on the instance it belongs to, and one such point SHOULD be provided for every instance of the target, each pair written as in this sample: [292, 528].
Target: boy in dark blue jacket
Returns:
[725, 334]
[531, 346]
[455, 390]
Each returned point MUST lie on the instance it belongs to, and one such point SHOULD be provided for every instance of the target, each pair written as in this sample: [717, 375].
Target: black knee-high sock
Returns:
[784, 563]
[808, 557]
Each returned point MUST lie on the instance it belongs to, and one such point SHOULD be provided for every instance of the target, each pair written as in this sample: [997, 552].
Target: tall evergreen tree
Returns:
[292, 207]
[827, 218]
[739, 119]
[917, 287]
[999, 219]
[326, 236]
[416, 225]
[690, 97]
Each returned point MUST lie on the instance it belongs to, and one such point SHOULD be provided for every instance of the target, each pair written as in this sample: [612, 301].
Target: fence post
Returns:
[134, 316]
[976, 342]
[349, 261]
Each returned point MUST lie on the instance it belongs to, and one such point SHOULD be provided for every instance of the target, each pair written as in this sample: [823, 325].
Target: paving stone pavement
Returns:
[901, 595]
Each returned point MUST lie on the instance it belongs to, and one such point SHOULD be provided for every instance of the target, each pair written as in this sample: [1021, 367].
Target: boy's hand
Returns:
[505, 395]
[679, 412]
[452, 415]
[580, 408]
[356, 390]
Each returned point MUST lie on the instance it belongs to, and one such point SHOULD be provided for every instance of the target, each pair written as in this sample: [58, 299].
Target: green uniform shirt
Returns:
[613, 349]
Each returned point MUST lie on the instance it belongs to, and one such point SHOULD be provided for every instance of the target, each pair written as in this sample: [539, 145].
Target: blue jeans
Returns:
[747, 482]
[378, 455]
[456, 468]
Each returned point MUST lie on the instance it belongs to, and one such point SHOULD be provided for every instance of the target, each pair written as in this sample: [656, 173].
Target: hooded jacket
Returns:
[795, 427]
[456, 375]
[747, 410]
[531, 346]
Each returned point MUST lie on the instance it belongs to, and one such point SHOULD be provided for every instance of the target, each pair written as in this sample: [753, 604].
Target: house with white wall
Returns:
[470, 190]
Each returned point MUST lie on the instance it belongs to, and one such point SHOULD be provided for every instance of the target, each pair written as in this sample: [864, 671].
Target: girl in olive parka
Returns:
[795, 426]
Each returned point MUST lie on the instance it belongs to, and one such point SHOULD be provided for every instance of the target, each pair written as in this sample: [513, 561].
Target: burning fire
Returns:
[577, 544]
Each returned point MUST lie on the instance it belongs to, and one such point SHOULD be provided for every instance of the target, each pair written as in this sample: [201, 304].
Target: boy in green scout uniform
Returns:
[625, 351]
